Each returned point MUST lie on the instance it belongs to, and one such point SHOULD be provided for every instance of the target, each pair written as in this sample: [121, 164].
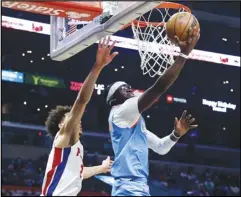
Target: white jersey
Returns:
[127, 115]
[63, 175]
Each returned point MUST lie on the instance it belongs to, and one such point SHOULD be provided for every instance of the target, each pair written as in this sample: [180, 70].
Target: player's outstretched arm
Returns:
[170, 75]
[92, 171]
[103, 58]
[163, 145]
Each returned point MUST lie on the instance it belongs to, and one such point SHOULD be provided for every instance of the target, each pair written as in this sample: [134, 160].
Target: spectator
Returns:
[209, 185]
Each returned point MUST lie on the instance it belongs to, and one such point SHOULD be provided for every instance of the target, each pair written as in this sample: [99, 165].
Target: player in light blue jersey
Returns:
[130, 138]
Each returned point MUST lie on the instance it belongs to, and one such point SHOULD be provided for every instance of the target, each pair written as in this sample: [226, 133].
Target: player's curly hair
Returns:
[55, 117]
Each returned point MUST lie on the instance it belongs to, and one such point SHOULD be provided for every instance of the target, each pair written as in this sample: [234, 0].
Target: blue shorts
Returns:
[130, 188]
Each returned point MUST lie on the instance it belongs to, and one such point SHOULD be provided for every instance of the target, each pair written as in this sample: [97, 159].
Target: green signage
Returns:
[44, 81]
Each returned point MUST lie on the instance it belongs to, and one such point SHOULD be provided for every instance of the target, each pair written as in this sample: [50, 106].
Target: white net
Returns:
[155, 49]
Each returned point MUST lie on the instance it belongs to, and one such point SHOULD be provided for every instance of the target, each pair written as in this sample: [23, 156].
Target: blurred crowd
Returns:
[19, 192]
[206, 183]
[29, 174]
[24, 174]
[210, 184]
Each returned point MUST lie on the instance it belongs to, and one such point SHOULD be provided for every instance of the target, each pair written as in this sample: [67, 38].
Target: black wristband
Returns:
[174, 136]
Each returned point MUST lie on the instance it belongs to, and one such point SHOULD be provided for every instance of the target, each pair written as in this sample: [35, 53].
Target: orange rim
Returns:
[170, 5]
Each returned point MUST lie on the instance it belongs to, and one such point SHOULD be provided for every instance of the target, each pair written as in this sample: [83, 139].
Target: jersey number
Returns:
[81, 170]
[78, 152]
[82, 166]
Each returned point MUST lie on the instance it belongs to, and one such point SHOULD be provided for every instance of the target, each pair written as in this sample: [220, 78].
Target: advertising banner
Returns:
[12, 76]
[51, 82]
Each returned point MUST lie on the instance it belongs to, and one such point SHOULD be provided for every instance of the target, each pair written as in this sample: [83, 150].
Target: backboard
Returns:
[70, 36]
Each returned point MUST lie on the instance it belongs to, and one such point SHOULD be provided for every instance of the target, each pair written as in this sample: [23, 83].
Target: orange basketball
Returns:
[179, 24]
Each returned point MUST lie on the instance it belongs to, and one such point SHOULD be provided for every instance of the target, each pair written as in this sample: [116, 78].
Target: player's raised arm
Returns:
[103, 58]
[170, 75]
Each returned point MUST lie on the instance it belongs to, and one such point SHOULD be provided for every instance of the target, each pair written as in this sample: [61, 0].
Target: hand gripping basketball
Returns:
[193, 37]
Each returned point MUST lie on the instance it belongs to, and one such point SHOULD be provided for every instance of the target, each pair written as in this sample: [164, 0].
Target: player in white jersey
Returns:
[65, 169]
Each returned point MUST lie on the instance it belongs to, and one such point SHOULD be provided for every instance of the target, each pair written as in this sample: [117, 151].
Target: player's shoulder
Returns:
[126, 104]
[131, 102]
[129, 105]
[132, 99]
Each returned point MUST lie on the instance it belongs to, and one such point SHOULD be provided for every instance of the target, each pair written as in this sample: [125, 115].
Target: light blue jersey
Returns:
[131, 141]
[131, 167]
[131, 152]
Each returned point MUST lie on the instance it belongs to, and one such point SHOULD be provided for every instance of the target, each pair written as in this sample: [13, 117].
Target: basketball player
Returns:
[65, 170]
[130, 138]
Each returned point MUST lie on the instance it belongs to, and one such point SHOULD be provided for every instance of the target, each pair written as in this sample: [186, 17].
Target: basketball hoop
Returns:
[76, 25]
[155, 49]
[69, 37]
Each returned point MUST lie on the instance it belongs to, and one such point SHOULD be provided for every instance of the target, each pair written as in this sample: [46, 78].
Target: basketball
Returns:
[106, 77]
[179, 24]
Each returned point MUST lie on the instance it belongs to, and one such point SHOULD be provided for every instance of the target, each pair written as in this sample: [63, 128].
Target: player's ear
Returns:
[60, 125]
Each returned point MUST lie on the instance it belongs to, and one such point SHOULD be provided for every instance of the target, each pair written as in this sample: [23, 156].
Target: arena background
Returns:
[204, 162]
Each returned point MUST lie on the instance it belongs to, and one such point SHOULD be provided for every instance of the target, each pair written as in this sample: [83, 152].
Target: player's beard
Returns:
[130, 95]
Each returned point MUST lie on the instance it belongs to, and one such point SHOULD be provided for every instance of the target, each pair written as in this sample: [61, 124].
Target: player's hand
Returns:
[184, 124]
[104, 55]
[193, 37]
[106, 165]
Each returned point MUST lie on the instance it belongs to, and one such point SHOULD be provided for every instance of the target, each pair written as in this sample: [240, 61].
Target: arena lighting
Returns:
[128, 43]
[225, 39]
[23, 54]
[31, 61]
[12, 76]
[46, 106]
[42, 58]
[148, 116]
[99, 88]
[41, 80]
[76, 86]
[25, 103]
[170, 99]
[38, 109]
[116, 69]
[122, 67]
[231, 90]
[179, 100]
